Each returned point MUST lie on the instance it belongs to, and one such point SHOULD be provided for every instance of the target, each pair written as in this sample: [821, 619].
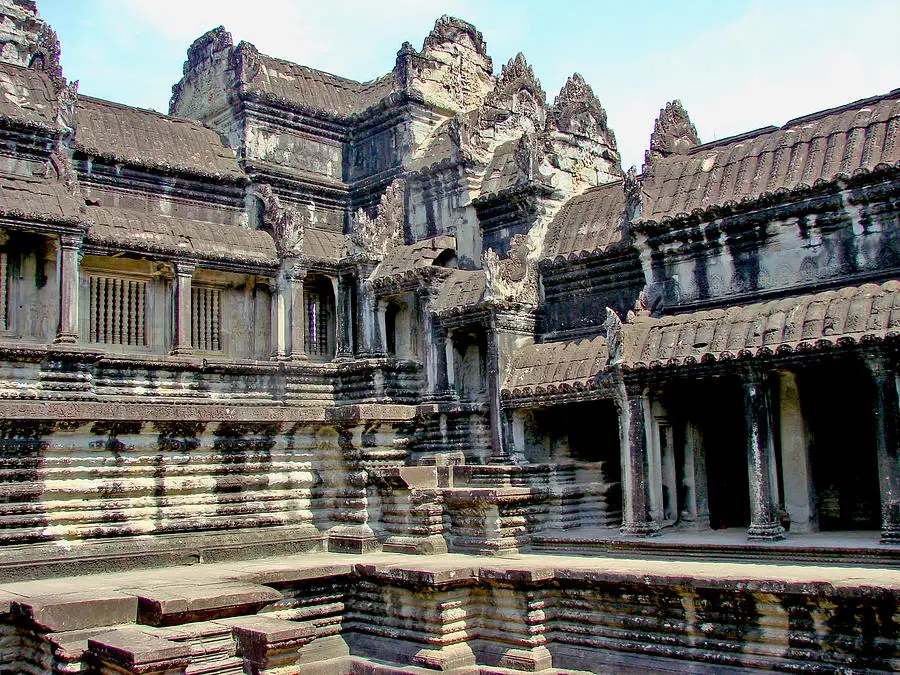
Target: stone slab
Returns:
[381, 412]
[77, 611]
[169, 604]
[138, 652]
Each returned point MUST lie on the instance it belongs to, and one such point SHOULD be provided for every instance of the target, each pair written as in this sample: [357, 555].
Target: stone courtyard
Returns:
[313, 375]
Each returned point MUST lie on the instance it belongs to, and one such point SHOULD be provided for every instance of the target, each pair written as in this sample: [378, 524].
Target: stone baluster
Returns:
[296, 276]
[183, 273]
[636, 520]
[343, 319]
[761, 467]
[69, 252]
[695, 514]
[887, 442]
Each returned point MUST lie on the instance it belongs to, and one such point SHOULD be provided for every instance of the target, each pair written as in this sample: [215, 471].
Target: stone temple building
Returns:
[409, 375]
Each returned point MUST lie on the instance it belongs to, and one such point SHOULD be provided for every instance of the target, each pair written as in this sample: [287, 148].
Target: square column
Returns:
[636, 519]
[295, 278]
[799, 496]
[367, 319]
[884, 378]
[695, 512]
[183, 274]
[69, 252]
[280, 295]
[344, 324]
[764, 521]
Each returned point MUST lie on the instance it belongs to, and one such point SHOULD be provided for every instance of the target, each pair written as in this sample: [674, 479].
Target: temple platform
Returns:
[845, 548]
[395, 613]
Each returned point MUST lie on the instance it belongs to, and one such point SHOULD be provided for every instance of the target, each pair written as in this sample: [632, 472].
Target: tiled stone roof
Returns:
[37, 199]
[843, 316]
[462, 290]
[151, 140]
[556, 367]
[26, 96]
[825, 146]
[324, 245]
[587, 224]
[311, 88]
[140, 232]
[405, 261]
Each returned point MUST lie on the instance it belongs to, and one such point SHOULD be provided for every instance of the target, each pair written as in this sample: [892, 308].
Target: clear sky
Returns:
[735, 64]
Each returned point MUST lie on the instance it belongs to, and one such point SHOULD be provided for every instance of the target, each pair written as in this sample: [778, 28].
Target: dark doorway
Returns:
[725, 440]
[837, 402]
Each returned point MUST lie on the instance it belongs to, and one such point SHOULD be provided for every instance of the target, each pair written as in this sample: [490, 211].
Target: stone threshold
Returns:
[844, 548]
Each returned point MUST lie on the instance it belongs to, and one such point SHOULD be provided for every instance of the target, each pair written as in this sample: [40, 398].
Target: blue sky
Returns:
[736, 65]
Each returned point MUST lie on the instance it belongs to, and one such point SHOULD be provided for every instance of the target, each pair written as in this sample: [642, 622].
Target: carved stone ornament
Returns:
[672, 134]
[614, 336]
[46, 54]
[374, 236]
[518, 91]
[66, 100]
[514, 279]
[285, 223]
[578, 111]
[633, 194]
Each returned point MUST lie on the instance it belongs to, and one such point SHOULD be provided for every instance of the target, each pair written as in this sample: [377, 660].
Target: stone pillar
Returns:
[366, 319]
[799, 496]
[636, 520]
[764, 521]
[884, 378]
[69, 252]
[695, 514]
[379, 335]
[183, 273]
[296, 277]
[343, 320]
[498, 452]
[278, 318]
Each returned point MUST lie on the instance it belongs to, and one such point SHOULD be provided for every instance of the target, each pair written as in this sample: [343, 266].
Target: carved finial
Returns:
[450, 29]
[672, 134]
[374, 236]
[286, 224]
[513, 279]
[203, 48]
[517, 89]
[614, 336]
[634, 197]
[577, 110]
[247, 61]
[46, 55]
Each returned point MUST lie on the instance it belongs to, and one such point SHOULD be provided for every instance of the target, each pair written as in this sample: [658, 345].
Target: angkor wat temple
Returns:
[403, 376]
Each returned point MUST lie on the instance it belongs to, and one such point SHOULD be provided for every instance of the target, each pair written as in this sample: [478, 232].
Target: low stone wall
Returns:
[389, 613]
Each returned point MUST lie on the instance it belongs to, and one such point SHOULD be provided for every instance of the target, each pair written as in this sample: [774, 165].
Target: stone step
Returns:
[187, 603]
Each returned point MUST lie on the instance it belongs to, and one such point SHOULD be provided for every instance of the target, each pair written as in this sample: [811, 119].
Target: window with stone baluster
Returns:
[206, 318]
[319, 298]
[118, 307]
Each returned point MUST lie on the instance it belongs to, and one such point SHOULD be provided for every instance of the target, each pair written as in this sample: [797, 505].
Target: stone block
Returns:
[130, 650]
[267, 644]
[77, 611]
[169, 605]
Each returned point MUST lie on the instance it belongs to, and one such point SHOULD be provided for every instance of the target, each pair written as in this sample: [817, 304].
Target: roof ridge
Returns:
[743, 136]
[893, 93]
[358, 83]
[150, 111]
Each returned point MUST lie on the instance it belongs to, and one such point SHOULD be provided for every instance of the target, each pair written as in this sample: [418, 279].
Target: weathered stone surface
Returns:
[76, 610]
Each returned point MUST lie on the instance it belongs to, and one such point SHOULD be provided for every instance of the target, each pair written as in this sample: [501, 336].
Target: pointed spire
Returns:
[577, 110]
[450, 29]
[673, 133]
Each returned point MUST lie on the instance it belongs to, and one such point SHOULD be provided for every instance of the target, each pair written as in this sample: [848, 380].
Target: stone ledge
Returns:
[159, 412]
[78, 610]
[176, 604]
[133, 651]
[376, 412]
